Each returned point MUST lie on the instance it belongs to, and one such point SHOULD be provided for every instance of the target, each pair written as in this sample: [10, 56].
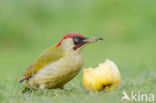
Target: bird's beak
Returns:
[92, 39]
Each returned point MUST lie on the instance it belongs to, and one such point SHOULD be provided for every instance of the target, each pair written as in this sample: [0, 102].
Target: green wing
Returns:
[48, 56]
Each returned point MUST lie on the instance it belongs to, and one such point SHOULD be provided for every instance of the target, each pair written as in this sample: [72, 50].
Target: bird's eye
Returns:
[76, 40]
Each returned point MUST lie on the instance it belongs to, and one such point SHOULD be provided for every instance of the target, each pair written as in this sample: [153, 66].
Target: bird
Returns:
[58, 64]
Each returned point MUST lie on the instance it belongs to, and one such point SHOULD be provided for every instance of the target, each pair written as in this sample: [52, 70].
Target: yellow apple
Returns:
[104, 77]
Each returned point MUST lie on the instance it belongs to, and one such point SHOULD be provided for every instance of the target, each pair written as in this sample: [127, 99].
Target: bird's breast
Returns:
[59, 72]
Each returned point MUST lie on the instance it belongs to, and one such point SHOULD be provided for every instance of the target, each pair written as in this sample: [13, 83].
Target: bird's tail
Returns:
[25, 78]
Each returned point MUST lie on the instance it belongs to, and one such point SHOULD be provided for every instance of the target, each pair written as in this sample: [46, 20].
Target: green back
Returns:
[48, 56]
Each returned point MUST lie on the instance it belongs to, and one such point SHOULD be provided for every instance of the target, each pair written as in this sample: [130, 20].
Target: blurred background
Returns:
[27, 27]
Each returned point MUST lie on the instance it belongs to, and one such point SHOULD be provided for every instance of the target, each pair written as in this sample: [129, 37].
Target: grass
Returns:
[28, 27]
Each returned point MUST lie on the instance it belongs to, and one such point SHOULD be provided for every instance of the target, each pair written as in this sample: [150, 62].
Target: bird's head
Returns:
[75, 42]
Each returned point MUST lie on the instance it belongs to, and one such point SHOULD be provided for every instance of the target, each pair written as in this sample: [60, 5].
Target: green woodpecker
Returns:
[58, 64]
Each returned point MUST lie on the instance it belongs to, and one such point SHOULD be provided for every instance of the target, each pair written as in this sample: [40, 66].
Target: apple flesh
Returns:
[104, 77]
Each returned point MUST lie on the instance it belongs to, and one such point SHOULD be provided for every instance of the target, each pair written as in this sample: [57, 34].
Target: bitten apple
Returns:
[104, 77]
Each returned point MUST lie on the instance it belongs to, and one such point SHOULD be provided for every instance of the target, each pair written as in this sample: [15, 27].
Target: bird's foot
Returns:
[26, 89]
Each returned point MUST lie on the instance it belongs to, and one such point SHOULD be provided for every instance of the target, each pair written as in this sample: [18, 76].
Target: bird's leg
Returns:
[26, 89]
[62, 87]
